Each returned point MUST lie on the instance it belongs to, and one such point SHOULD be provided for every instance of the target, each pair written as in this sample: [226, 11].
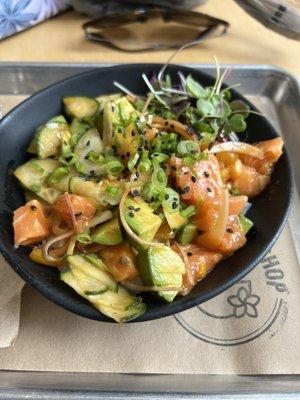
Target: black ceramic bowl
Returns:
[269, 211]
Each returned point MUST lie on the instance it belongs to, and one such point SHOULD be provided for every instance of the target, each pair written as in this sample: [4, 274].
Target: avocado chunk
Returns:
[187, 234]
[108, 233]
[139, 216]
[98, 287]
[80, 106]
[161, 266]
[170, 205]
[244, 223]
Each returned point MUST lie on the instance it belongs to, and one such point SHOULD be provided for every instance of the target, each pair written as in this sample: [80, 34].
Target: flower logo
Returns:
[244, 302]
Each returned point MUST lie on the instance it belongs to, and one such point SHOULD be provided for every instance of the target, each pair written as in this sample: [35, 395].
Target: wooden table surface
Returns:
[248, 42]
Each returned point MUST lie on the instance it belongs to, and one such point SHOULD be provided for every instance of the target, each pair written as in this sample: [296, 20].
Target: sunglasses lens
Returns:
[155, 31]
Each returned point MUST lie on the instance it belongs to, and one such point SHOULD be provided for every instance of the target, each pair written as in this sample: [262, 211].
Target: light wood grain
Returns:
[248, 42]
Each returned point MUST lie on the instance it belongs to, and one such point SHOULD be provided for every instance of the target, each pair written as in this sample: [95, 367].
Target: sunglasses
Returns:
[153, 29]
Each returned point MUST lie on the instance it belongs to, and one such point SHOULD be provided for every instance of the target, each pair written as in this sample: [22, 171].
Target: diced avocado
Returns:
[141, 219]
[33, 176]
[80, 106]
[48, 137]
[161, 266]
[127, 142]
[108, 233]
[187, 234]
[119, 304]
[245, 223]
[170, 205]
[90, 141]
[61, 181]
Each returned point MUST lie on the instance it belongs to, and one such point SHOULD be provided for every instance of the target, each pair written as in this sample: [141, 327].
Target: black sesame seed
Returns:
[98, 180]
[229, 230]
[166, 123]
[137, 209]
[174, 205]
[209, 190]
[172, 126]
[68, 158]
[92, 172]
[135, 193]
[86, 157]
[206, 174]
[78, 214]
[166, 197]
[131, 208]
[127, 154]
[132, 133]
[33, 208]
[193, 179]
[65, 142]
[189, 253]
[131, 214]
[113, 109]
[137, 174]
[135, 179]
[156, 212]
[88, 143]
[152, 199]
[174, 168]
[186, 172]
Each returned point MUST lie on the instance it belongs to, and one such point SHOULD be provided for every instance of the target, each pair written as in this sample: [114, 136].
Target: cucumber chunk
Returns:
[47, 140]
[33, 176]
[91, 283]
[80, 107]
[88, 142]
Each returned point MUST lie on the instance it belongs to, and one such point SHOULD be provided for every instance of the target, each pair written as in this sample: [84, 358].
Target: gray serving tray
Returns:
[276, 94]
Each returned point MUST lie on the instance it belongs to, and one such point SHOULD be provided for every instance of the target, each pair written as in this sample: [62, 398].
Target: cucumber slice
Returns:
[33, 176]
[80, 107]
[84, 278]
[94, 190]
[90, 141]
[92, 278]
[77, 129]
[48, 137]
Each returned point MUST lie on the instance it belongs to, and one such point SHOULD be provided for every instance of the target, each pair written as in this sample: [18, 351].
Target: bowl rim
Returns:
[173, 307]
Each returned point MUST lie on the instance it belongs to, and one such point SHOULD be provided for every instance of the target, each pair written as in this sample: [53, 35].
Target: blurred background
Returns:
[240, 31]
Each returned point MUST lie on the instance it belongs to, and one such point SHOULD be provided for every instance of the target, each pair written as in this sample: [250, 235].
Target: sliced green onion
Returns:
[187, 146]
[150, 192]
[70, 160]
[189, 212]
[57, 174]
[114, 167]
[158, 158]
[235, 191]
[159, 178]
[133, 161]
[245, 223]
[84, 238]
[113, 191]
[95, 158]
[145, 164]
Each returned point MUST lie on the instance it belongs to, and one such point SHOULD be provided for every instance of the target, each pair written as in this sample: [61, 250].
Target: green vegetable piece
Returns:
[48, 137]
[189, 212]
[84, 238]
[31, 177]
[57, 175]
[80, 107]
[133, 161]
[245, 223]
[194, 88]
[187, 146]
[235, 191]
[161, 266]
[95, 157]
[112, 300]
[187, 234]
[114, 167]
[170, 205]
[237, 123]
[240, 107]
[108, 233]
[77, 129]
[139, 216]
[205, 107]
